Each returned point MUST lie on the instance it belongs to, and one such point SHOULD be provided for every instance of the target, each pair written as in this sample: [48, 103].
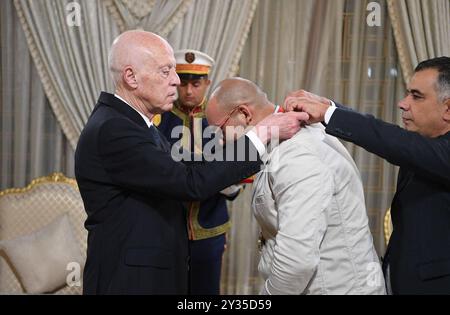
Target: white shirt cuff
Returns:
[256, 142]
[329, 112]
[230, 191]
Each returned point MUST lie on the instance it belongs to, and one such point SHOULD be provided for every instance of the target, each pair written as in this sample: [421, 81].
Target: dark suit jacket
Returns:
[211, 213]
[133, 193]
[419, 249]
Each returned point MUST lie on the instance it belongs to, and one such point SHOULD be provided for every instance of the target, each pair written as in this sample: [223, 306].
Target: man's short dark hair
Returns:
[442, 65]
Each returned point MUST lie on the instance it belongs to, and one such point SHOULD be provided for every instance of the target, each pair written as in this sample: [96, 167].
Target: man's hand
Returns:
[284, 126]
[302, 101]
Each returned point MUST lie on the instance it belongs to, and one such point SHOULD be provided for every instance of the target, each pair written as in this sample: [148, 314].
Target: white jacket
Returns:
[309, 202]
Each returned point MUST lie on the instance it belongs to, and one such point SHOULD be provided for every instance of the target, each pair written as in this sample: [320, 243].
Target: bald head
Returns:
[238, 93]
[134, 49]
[142, 65]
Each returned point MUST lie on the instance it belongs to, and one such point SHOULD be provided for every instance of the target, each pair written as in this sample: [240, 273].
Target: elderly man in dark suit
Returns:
[131, 186]
[417, 260]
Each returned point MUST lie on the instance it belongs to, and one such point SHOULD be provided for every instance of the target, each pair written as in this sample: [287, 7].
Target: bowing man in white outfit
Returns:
[309, 203]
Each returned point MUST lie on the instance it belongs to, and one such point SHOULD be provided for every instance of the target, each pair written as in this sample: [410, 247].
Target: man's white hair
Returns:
[114, 71]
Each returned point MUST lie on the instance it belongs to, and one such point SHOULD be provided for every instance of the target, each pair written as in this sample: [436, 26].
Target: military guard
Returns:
[208, 221]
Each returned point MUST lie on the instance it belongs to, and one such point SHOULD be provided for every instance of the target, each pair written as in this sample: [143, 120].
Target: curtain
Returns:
[31, 141]
[367, 77]
[328, 48]
[71, 60]
[218, 28]
[422, 31]
[158, 16]
[286, 34]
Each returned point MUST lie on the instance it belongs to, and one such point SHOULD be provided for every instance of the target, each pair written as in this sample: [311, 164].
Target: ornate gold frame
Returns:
[387, 226]
[52, 178]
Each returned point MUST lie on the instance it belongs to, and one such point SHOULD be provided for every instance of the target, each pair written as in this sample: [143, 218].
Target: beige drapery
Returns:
[286, 34]
[71, 61]
[218, 28]
[32, 143]
[422, 31]
[328, 48]
[158, 16]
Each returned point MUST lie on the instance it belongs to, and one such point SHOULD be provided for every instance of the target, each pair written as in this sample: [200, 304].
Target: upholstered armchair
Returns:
[24, 215]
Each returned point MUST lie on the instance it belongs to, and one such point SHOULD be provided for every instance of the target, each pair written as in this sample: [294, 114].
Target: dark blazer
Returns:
[210, 217]
[133, 192]
[419, 249]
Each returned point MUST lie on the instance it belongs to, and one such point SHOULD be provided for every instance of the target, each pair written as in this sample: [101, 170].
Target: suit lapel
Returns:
[111, 101]
[123, 108]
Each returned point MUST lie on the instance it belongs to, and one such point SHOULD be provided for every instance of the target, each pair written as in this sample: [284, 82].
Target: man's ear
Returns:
[129, 77]
[208, 82]
[447, 110]
[247, 113]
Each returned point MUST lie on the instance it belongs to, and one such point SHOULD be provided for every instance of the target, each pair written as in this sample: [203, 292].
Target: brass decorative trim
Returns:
[400, 40]
[53, 178]
[387, 226]
[200, 233]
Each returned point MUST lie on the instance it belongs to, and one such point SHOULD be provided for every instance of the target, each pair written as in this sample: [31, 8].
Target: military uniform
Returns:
[208, 221]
